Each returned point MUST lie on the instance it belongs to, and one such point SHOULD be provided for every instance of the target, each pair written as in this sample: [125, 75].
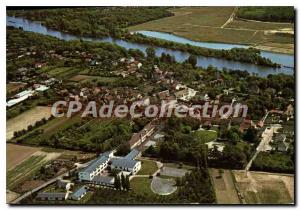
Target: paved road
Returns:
[16, 201]
[38, 188]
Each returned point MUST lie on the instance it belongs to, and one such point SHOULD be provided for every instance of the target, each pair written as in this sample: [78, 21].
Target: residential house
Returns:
[185, 94]
[138, 138]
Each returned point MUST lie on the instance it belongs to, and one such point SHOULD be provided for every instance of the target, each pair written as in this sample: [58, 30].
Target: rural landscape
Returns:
[150, 58]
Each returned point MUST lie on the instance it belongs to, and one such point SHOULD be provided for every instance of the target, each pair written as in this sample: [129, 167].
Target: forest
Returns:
[271, 14]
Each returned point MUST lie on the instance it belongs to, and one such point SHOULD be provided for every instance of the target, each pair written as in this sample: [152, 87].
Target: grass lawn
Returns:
[205, 135]
[148, 167]
[141, 185]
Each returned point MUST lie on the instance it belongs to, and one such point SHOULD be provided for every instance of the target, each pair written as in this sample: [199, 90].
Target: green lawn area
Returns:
[141, 185]
[59, 72]
[148, 167]
[205, 135]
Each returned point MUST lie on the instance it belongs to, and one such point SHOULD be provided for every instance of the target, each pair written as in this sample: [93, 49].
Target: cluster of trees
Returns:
[231, 157]
[122, 182]
[96, 21]
[247, 55]
[80, 136]
[274, 162]
[272, 14]
[196, 187]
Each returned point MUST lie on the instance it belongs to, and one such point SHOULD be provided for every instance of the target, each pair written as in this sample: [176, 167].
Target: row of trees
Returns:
[122, 182]
[247, 55]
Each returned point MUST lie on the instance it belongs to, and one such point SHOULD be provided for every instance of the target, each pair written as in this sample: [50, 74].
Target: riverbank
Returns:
[179, 56]
[207, 24]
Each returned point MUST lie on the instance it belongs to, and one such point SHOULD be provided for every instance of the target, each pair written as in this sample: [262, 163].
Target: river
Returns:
[284, 59]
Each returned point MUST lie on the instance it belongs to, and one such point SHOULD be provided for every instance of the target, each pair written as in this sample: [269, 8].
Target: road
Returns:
[267, 137]
[16, 201]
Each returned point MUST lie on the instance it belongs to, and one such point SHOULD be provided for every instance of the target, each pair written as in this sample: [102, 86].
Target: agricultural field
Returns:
[224, 187]
[265, 188]
[28, 167]
[213, 24]
[16, 154]
[25, 119]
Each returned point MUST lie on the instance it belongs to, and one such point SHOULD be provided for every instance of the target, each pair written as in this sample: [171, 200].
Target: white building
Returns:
[124, 164]
[94, 169]
[186, 94]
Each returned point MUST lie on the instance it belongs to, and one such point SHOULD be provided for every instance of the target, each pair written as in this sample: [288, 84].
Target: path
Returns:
[230, 19]
[39, 188]
[267, 137]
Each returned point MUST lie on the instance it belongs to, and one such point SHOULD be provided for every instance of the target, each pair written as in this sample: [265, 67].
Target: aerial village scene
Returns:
[183, 56]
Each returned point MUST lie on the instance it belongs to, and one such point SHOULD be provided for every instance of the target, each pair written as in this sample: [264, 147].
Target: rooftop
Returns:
[132, 154]
[99, 161]
[79, 192]
[124, 163]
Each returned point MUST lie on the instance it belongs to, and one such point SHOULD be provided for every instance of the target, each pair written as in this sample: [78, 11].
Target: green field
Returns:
[60, 72]
[141, 185]
[205, 135]
[256, 25]
[23, 170]
[205, 24]
[148, 167]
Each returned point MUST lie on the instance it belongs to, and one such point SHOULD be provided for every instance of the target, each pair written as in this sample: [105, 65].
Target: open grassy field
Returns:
[59, 72]
[15, 154]
[223, 184]
[265, 188]
[141, 185]
[148, 167]
[87, 78]
[26, 118]
[205, 135]
[258, 25]
[208, 24]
